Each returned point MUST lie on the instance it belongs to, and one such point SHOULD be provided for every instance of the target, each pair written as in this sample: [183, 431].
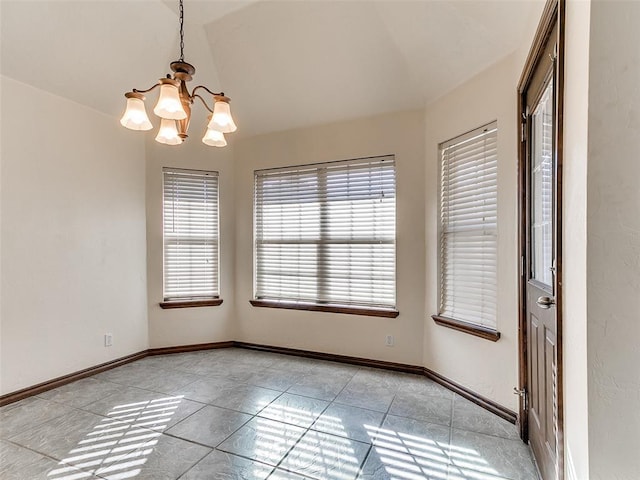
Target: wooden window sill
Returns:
[314, 307]
[211, 302]
[477, 330]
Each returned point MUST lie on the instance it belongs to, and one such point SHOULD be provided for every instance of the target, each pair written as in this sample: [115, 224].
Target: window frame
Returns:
[388, 311]
[170, 302]
[483, 331]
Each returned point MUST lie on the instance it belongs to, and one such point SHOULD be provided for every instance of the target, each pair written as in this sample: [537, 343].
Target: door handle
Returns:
[545, 302]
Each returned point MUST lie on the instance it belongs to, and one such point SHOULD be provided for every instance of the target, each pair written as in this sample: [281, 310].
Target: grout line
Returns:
[518, 440]
[364, 460]
[233, 455]
[450, 465]
[42, 454]
[372, 445]
[306, 430]
[193, 442]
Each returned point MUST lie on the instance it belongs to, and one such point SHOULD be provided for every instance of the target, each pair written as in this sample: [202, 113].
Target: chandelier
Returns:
[174, 105]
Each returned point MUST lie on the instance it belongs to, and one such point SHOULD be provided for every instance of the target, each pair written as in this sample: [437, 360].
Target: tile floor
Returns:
[242, 414]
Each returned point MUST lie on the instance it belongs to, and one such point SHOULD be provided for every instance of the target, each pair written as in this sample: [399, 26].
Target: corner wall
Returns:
[613, 241]
[574, 260]
[186, 326]
[72, 238]
[487, 368]
[401, 134]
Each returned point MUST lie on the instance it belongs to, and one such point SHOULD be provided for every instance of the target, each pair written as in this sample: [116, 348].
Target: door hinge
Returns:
[523, 125]
[522, 266]
[522, 393]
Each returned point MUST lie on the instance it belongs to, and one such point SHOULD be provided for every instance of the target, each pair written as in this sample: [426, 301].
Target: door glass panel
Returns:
[542, 188]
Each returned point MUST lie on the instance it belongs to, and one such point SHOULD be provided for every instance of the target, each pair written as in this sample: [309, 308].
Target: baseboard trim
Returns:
[87, 372]
[472, 396]
[189, 348]
[479, 400]
[72, 377]
[332, 357]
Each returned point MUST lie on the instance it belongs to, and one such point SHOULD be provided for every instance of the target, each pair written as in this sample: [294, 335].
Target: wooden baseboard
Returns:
[472, 396]
[332, 357]
[87, 372]
[189, 348]
[483, 402]
[72, 377]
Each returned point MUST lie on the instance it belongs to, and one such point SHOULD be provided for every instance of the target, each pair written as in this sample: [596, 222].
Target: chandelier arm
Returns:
[195, 95]
[147, 90]
[221, 94]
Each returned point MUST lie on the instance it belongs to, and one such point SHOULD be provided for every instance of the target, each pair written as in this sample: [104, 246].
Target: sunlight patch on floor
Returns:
[119, 446]
[406, 456]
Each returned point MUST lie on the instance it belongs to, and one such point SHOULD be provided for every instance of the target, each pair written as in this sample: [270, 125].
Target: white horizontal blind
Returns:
[190, 218]
[468, 229]
[325, 233]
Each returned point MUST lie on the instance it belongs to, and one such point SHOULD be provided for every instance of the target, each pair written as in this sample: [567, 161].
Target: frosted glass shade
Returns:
[222, 119]
[169, 105]
[168, 133]
[135, 116]
[214, 138]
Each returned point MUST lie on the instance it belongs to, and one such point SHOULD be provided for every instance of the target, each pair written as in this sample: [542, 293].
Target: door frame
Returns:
[553, 13]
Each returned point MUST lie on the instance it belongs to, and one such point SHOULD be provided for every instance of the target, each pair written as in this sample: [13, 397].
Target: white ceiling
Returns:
[285, 64]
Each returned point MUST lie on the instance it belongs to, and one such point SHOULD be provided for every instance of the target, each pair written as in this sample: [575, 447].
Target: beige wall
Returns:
[613, 241]
[602, 239]
[401, 134]
[574, 261]
[185, 326]
[2, 119]
[488, 368]
[72, 236]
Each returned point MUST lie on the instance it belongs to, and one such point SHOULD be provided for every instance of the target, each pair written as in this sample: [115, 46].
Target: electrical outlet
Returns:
[108, 339]
[389, 341]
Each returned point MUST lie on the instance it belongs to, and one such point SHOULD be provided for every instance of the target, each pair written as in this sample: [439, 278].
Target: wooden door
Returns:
[540, 269]
[541, 248]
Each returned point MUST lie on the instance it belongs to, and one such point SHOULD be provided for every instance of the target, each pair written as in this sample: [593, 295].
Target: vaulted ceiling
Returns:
[285, 64]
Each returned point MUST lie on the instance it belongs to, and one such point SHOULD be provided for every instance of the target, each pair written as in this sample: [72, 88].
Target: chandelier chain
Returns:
[181, 32]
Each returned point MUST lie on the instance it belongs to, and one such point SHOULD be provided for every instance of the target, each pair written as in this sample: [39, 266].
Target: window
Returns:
[468, 229]
[190, 219]
[325, 235]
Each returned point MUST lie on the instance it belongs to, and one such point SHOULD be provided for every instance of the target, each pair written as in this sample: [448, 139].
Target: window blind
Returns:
[468, 228]
[325, 233]
[190, 232]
